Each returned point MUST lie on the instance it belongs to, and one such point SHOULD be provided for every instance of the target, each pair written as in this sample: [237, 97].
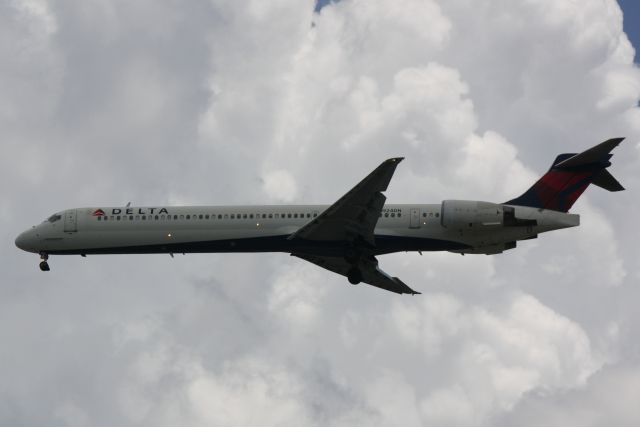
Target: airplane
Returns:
[344, 237]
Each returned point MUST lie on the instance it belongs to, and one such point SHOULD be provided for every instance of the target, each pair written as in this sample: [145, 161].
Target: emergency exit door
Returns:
[70, 221]
[414, 218]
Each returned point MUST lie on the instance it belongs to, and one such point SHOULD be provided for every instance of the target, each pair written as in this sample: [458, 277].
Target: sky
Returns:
[217, 102]
[631, 11]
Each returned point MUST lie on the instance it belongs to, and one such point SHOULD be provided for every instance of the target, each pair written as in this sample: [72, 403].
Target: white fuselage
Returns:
[415, 227]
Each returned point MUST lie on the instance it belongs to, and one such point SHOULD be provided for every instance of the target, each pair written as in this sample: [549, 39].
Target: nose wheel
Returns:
[44, 265]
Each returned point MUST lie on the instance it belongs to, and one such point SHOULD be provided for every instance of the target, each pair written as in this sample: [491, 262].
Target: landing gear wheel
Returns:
[44, 265]
[354, 276]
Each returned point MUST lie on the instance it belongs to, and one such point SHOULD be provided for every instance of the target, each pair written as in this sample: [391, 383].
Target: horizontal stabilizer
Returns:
[592, 155]
[605, 180]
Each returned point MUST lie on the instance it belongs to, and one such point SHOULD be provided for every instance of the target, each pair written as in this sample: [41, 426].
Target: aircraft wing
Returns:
[371, 274]
[354, 216]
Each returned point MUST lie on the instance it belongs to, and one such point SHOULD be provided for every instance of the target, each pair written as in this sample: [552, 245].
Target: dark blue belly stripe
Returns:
[384, 245]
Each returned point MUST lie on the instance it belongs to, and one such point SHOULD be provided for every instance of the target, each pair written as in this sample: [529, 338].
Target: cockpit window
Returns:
[54, 218]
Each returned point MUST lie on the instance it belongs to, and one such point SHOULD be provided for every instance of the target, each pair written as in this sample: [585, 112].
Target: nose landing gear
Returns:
[44, 265]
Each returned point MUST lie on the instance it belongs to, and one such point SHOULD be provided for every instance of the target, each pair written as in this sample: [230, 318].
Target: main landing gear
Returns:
[354, 276]
[44, 265]
[352, 255]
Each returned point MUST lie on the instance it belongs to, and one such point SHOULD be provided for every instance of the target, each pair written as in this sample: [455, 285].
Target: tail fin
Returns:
[569, 176]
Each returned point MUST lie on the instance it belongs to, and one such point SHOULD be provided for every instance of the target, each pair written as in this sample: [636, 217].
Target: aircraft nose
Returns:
[25, 241]
[21, 241]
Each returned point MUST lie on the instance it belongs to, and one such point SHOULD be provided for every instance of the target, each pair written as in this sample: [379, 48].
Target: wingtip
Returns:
[405, 288]
[615, 141]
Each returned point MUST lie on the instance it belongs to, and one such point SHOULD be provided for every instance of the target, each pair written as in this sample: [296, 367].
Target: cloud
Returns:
[607, 398]
[280, 185]
[511, 350]
[216, 102]
[248, 393]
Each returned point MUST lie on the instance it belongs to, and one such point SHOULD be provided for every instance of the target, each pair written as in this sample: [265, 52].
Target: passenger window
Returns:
[99, 218]
[137, 217]
[399, 214]
[233, 216]
[111, 217]
[118, 218]
[393, 215]
[157, 217]
[308, 215]
[244, 216]
[424, 214]
[161, 216]
[144, 217]
[226, 216]
[251, 216]
[288, 215]
[181, 216]
[386, 214]
[106, 218]
[437, 214]
[188, 216]
[206, 217]
[271, 215]
[264, 216]
[315, 215]
[295, 215]
[219, 216]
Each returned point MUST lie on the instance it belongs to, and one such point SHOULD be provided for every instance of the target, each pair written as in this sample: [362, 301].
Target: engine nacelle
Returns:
[469, 214]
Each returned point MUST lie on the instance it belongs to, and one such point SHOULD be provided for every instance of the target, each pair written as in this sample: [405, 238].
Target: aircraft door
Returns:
[70, 221]
[414, 218]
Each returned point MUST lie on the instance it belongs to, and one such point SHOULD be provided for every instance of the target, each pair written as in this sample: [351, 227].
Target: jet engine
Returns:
[470, 214]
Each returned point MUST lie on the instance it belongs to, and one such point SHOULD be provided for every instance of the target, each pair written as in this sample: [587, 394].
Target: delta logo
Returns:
[131, 211]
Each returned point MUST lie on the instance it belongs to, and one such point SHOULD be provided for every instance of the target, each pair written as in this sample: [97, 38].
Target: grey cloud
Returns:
[226, 102]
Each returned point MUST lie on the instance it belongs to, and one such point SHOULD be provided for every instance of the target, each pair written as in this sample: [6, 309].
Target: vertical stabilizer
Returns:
[569, 176]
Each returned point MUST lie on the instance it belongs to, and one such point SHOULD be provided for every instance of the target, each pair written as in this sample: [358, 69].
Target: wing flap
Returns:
[371, 273]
